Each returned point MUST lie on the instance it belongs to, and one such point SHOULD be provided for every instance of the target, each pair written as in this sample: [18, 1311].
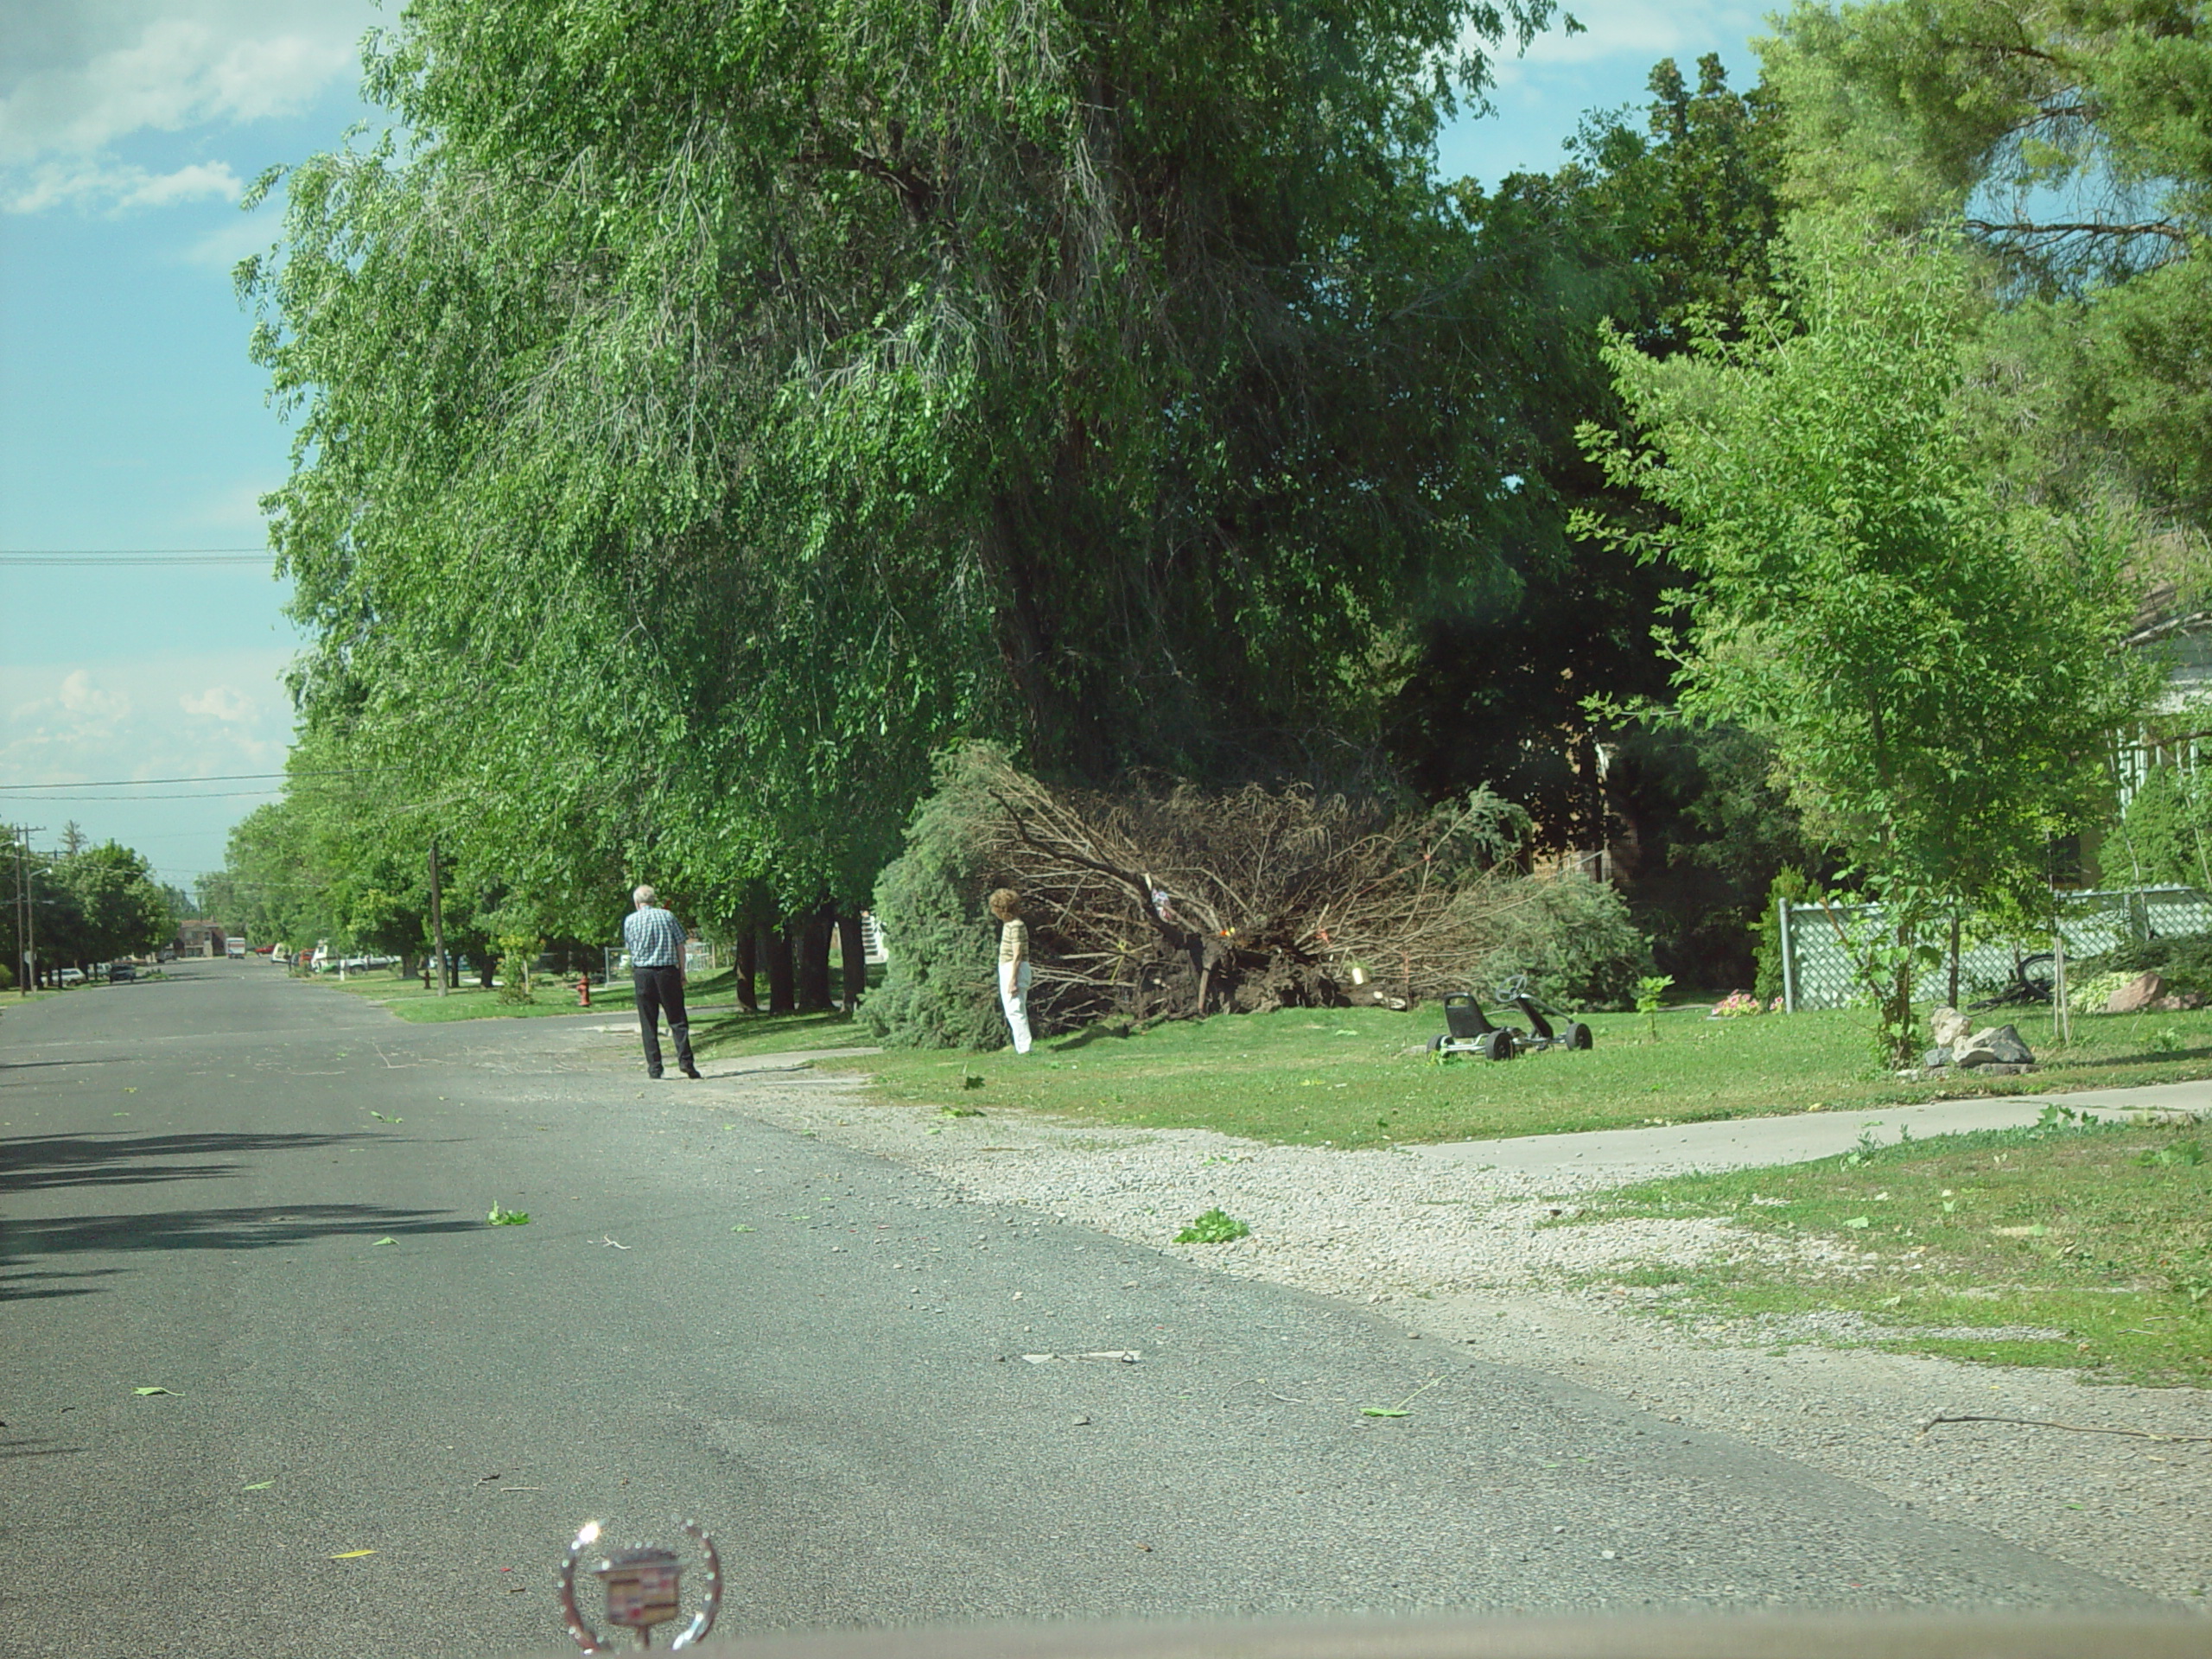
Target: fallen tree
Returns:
[1163, 901]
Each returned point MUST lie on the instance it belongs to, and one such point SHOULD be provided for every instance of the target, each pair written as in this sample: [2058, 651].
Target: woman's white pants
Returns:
[1013, 997]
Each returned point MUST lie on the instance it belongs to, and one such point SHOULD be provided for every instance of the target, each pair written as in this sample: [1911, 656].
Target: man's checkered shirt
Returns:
[654, 938]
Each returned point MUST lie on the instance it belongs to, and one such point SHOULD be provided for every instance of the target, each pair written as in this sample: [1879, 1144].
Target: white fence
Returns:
[1816, 971]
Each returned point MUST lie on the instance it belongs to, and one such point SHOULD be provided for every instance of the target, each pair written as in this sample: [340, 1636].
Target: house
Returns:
[200, 938]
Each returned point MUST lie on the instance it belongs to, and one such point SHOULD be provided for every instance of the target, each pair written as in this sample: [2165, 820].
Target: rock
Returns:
[1947, 1025]
[1973, 1052]
[1936, 1058]
[2180, 1002]
[2011, 1051]
[2000, 1070]
[2136, 996]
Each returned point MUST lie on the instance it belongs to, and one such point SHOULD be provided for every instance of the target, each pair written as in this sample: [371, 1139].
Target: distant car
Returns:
[73, 976]
[121, 973]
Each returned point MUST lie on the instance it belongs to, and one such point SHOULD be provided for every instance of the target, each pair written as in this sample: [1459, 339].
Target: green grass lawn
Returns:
[1346, 1077]
[717, 1026]
[468, 1000]
[2085, 1245]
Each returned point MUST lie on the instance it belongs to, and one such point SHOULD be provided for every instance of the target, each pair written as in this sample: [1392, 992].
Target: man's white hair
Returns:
[644, 895]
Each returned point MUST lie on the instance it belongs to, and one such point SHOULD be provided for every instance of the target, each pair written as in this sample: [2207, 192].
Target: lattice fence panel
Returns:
[1820, 973]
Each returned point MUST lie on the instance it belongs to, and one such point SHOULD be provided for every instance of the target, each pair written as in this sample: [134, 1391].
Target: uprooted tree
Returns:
[1168, 901]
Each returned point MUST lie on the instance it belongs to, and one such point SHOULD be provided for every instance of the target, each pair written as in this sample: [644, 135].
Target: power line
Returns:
[207, 778]
[132, 800]
[102, 558]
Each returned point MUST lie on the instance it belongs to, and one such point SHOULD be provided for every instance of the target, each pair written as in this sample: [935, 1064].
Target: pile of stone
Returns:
[1994, 1050]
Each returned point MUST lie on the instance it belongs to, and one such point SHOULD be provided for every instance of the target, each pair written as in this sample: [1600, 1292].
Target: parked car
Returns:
[73, 976]
[122, 973]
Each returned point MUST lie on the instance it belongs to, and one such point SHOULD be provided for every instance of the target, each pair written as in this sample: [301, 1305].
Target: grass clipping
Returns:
[1165, 902]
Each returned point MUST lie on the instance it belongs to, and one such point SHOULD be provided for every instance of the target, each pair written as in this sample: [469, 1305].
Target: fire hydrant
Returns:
[583, 990]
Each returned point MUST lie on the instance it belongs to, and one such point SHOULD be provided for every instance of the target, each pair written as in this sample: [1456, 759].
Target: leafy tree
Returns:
[122, 910]
[1937, 668]
[93, 903]
[1650, 225]
[713, 411]
[2070, 142]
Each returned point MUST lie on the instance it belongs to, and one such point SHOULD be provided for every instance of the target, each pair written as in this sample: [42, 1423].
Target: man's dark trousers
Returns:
[658, 988]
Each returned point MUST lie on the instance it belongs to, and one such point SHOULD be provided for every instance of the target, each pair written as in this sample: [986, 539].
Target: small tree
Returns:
[1938, 667]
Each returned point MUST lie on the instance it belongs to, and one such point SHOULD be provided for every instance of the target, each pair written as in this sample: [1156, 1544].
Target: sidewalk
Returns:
[1748, 1142]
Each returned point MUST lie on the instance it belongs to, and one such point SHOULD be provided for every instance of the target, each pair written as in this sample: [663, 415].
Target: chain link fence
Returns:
[1816, 970]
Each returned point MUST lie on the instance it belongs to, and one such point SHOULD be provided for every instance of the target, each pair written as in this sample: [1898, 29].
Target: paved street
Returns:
[269, 1199]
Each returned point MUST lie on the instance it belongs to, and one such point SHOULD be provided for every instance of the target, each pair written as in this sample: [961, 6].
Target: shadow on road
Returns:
[34, 1163]
[34, 1065]
[257, 1229]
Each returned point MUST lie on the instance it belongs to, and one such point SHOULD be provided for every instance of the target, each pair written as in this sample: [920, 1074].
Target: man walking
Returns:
[654, 939]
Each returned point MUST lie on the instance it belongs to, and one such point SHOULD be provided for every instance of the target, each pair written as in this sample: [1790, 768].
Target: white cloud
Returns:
[118, 185]
[81, 78]
[222, 703]
[1640, 32]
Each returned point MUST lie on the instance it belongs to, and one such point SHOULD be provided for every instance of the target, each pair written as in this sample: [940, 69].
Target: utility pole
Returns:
[22, 912]
[438, 921]
[27, 932]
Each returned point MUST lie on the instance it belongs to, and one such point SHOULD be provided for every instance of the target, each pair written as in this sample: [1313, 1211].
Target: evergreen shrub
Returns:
[1574, 940]
[940, 987]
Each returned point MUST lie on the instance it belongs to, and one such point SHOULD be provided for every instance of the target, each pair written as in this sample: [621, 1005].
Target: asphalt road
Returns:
[269, 1199]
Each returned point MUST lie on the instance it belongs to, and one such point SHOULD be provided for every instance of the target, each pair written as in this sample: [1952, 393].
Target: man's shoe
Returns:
[692, 1072]
[654, 1076]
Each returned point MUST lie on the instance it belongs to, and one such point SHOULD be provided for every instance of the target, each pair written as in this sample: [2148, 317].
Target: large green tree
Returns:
[1936, 666]
[2071, 140]
[708, 411]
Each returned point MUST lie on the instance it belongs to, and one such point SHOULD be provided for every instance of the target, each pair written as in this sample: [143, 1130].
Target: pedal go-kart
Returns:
[1468, 1030]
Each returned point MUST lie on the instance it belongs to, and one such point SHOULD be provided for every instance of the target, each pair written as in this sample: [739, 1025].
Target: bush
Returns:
[1792, 884]
[2163, 833]
[2182, 960]
[940, 989]
[517, 952]
[7, 979]
[1573, 939]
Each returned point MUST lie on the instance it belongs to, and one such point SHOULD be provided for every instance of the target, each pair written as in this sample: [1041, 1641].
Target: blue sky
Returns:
[131, 421]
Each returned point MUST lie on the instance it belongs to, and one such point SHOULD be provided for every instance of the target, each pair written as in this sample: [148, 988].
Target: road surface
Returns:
[381, 1418]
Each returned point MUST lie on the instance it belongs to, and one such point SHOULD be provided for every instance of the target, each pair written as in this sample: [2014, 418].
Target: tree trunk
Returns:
[748, 965]
[777, 945]
[852, 957]
[814, 962]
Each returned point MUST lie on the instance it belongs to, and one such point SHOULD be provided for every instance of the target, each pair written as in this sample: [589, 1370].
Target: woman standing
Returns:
[1013, 966]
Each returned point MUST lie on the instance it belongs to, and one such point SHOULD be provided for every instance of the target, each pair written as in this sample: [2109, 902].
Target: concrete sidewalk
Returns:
[1748, 1142]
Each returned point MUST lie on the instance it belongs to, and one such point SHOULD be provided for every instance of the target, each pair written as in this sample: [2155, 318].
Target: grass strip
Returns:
[2072, 1243]
[1362, 1077]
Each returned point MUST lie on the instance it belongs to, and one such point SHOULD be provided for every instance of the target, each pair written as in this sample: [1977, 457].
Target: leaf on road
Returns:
[130, 1091]
[742, 1228]
[386, 1239]
[1383, 1411]
[381, 1118]
[352, 1555]
[503, 1217]
[150, 1390]
[258, 1486]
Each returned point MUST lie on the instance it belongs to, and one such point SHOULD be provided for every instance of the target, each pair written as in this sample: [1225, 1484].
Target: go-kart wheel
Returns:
[1436, 1043]
[1577, 1034]
[1498, 1046]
